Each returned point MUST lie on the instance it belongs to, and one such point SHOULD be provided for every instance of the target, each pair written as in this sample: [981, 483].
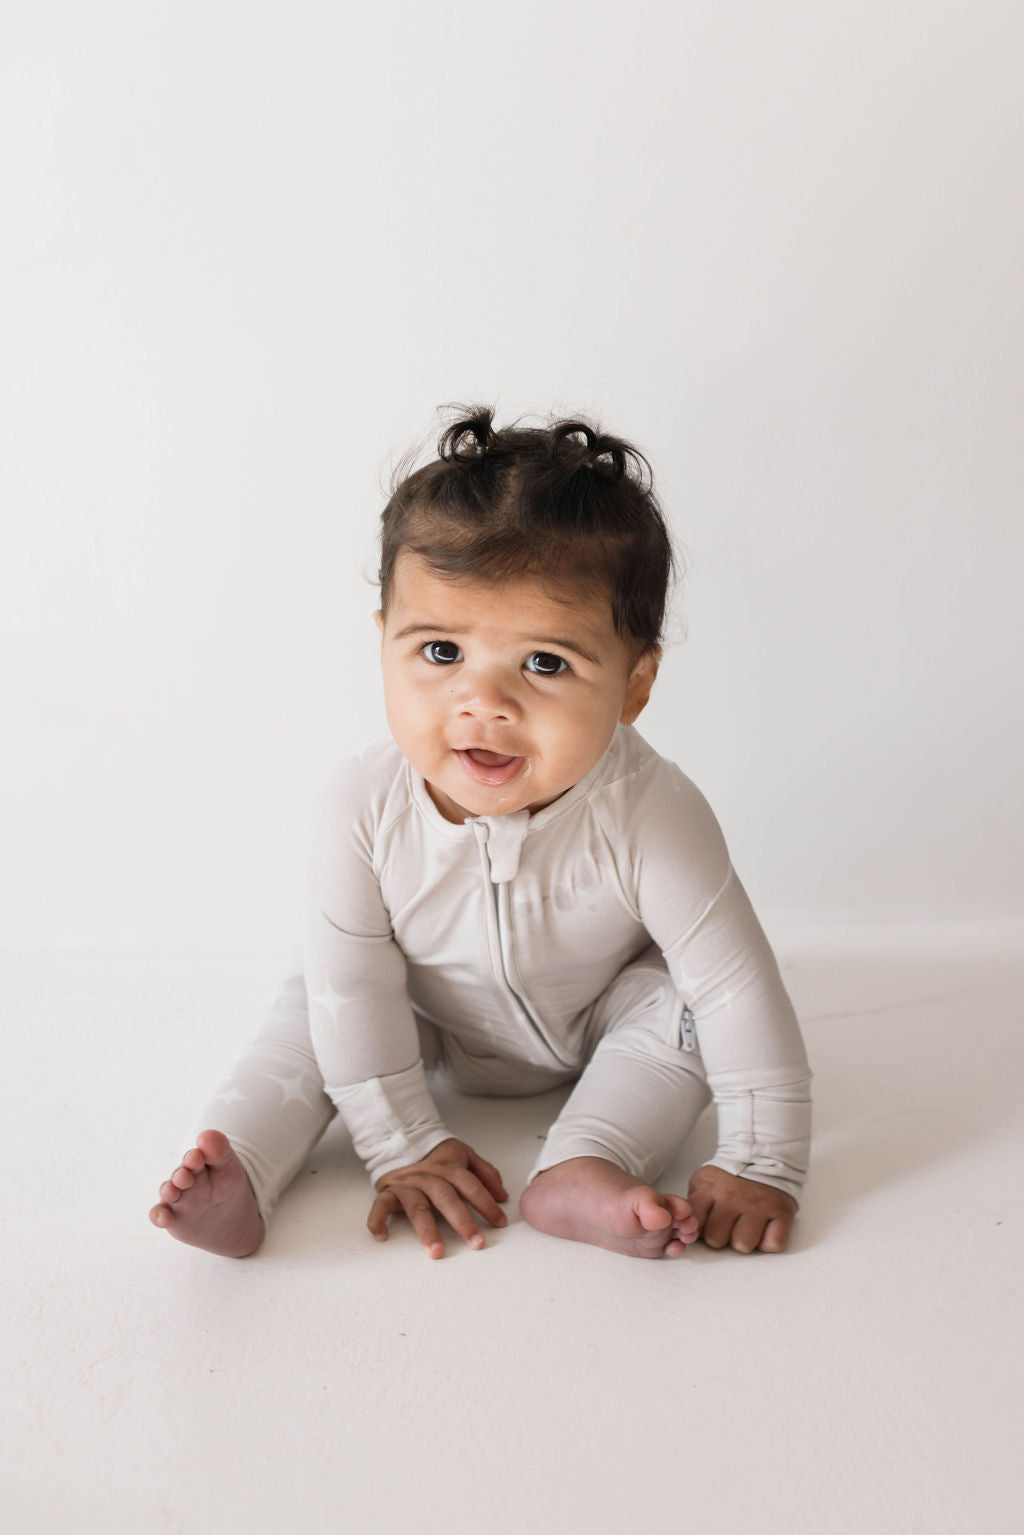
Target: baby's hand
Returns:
[449, 1178]
[740, 1213]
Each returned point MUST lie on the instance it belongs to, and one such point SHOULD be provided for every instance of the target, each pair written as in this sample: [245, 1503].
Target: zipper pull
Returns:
[689, 1032]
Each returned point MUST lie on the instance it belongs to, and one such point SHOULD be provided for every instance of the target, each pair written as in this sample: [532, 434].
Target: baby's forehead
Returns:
[538, 591]
[416, 581]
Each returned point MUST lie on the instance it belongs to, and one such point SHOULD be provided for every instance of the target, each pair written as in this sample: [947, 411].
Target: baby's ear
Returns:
[378, 619]
[641, 681]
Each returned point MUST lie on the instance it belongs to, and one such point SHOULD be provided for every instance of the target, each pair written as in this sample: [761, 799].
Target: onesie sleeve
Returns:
[361, 1021]
[692, 903]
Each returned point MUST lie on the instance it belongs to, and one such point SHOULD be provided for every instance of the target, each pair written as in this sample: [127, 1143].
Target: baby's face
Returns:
[503, 697]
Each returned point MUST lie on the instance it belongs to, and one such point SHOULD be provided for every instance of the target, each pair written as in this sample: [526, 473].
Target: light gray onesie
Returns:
[605, 938]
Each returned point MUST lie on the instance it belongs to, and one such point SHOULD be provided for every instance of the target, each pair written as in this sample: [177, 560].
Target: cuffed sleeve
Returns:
[696, 909]
[392, 1120]
[361, 1020]
[764, 1126]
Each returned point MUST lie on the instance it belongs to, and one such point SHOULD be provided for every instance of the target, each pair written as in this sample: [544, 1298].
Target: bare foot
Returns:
[208, 1201]
[590, 1200]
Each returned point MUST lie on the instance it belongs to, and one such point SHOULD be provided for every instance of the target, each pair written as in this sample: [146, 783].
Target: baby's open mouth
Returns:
[489, 759]
[491, 768]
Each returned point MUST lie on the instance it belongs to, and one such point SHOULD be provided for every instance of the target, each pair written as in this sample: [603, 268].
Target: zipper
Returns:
[529, 1017]
[498, 925]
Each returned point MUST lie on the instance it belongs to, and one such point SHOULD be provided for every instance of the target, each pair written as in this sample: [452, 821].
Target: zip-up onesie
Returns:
[605, 937]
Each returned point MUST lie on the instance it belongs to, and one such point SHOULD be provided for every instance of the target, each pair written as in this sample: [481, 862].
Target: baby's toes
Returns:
[683, 1218]
[194, 1160]
[651, 1210]
[169, 1193]
[182, 1178]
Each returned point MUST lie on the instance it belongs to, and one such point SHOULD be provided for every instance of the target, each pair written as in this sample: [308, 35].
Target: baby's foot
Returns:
[208, 1201]
[590, 1200]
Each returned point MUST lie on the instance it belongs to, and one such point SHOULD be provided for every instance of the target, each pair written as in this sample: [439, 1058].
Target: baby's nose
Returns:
[487, 696]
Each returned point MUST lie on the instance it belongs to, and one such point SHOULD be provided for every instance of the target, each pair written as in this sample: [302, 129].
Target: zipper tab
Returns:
[688, 1031]
[503, 836]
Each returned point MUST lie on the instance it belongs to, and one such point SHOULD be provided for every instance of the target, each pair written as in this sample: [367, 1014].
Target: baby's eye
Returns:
[441, 652]
[545, 664]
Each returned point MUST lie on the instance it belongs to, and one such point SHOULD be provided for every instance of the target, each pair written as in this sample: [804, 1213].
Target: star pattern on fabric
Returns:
[294, 1088]
[230, 1095]
[291, 1087]
[329, 999]
[687, 983]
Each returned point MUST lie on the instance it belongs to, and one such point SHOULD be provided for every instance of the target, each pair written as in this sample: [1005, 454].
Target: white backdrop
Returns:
[249, 249]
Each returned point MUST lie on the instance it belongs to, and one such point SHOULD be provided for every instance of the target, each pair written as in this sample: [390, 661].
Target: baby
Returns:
[518, 891]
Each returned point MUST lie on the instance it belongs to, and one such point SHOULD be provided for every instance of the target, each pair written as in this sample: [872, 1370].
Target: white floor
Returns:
[868, 1379]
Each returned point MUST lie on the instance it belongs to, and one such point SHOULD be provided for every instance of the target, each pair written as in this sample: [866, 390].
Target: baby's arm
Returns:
[697, 911]
[364, 1033]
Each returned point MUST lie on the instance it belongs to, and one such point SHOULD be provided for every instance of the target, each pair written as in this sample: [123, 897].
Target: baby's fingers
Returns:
[456, 1211]
[476, 1193]
[748, 1231]
[699, 1204]
[414, 1204]
[419, 1201]
[776, 1234]
[421, 1217]
[488, 1174]
[377, 1221]
[717, 1228]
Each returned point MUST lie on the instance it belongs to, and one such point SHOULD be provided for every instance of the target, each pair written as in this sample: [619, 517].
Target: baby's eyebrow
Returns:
[420, 629]
[531, 639]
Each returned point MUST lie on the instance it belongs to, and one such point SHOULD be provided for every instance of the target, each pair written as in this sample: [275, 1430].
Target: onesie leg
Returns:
[257, 1130]
[641, 1093]
[636, 1101]
[272, 1106]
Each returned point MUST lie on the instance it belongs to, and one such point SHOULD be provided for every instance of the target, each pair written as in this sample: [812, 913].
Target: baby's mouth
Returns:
[490, 759]
[490, 768]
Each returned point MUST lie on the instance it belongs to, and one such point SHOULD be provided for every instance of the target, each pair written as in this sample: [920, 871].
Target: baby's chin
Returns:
[481, 800]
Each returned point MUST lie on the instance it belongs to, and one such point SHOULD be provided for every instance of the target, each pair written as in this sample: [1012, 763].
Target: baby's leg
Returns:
[258, 1129]
[637, 1100]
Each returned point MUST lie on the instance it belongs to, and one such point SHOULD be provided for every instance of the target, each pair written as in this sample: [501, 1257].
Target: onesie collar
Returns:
[504, 835]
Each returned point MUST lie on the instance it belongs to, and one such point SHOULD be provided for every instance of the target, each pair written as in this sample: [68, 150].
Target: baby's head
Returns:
[524, 578]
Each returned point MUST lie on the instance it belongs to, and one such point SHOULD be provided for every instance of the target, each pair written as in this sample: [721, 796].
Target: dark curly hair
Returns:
[501, 505]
